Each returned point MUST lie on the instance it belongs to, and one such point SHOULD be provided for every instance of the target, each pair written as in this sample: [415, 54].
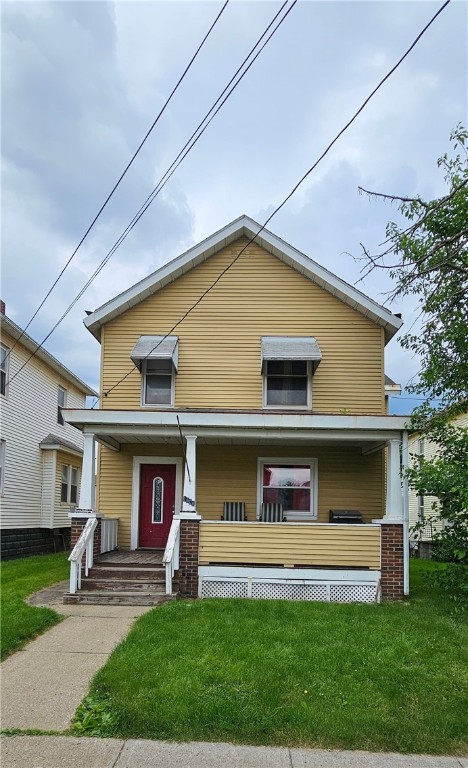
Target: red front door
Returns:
[157, 499]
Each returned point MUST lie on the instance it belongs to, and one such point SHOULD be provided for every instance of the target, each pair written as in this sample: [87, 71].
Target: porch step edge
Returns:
[123, 585]
[116, 598]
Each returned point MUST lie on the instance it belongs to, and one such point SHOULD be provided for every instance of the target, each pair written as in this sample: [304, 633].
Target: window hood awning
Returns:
[291, 348]
[156, 348]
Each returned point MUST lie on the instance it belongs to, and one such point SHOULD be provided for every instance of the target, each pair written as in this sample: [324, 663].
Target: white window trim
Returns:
[7, 368]
[307, 462]
[68, 502]
[162, 406]
[137, 462]
[307, 407]
[2, 464]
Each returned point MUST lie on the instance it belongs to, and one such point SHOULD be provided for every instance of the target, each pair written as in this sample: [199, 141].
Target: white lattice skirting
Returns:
[285, 584]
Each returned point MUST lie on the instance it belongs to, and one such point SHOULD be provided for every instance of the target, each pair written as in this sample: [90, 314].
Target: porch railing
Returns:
[290, 544]
[171, 554]
[84, 546]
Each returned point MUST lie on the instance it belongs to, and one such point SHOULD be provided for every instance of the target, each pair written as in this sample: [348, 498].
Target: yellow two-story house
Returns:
[243, 427]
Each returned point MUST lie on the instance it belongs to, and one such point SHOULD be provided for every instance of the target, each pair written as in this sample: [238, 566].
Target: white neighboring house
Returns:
[421, 507]
[40, 455]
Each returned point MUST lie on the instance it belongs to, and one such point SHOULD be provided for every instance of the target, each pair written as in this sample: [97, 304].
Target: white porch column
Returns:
[394, 500]
[189, 500]
[87, 501]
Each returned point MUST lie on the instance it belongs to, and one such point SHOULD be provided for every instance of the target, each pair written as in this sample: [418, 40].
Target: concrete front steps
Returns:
[122, 584]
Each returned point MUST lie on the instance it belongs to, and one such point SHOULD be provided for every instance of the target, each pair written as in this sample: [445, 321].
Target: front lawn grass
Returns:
[19, 579]
[376, 677]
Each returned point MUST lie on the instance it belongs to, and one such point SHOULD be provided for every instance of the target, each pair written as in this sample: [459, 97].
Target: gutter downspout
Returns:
[404, 461]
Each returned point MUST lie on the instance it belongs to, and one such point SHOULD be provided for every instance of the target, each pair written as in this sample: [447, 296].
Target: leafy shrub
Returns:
[94, 717]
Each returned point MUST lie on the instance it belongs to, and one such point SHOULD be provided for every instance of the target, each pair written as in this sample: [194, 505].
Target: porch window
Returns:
[293, 485]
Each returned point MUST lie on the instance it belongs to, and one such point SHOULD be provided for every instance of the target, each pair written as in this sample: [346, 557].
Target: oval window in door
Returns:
[158, 493]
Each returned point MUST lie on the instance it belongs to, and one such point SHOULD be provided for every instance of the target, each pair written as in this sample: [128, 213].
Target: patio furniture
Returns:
[272, 513]
[234, 511]
[350, 516]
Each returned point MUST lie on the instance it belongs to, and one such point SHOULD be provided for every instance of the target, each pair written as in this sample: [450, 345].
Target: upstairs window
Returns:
[287, 383]
[288, 364]
[157, 359]
[61, 403]
[4, 360]
[158, 382]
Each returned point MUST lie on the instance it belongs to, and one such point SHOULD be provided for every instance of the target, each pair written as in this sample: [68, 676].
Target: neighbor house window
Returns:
[69, 484]
[287, 383]
[61, 403]
[421, 515]
[4, 352]
[158, 382]
[291, 484]
[2, 464]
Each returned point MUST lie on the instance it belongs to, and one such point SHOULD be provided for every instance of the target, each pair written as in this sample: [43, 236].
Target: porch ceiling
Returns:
[245, 439]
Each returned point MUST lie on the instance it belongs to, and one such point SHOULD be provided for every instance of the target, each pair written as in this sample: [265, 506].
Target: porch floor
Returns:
[146, 557]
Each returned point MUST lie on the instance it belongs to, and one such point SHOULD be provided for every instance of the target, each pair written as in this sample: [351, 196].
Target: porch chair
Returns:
[272, 513]
[234, 511]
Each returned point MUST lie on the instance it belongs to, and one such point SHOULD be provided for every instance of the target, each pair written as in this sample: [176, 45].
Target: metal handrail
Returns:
[84, 545]
[171, 554]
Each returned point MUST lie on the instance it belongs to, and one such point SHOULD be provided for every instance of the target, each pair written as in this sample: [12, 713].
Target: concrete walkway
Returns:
[43, 684]
[59, 751]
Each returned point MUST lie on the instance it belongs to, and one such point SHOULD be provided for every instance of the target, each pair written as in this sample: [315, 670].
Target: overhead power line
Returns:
[123, 174]
[220, 101]
[288, 196]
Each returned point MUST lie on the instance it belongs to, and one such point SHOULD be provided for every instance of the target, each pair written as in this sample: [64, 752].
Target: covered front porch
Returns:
[178, 471]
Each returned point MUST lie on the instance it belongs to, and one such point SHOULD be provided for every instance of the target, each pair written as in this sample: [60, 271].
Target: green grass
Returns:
[376, 677]
[19, 579]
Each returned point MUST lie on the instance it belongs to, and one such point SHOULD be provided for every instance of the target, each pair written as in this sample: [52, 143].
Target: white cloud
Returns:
[82, 82]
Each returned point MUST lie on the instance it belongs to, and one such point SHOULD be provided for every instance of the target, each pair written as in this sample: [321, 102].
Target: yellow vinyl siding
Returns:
[219, 343]
[346, 479]
[290, 544]
[115, 482]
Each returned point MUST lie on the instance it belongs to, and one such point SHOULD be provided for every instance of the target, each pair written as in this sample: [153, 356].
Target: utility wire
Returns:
[124, 172]
[291, 193]
[182, 154]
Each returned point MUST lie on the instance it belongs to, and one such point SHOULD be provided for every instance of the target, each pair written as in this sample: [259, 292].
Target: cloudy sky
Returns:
[83, 81]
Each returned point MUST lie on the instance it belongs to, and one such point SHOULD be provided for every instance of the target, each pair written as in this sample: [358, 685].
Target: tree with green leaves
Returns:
[429, 259]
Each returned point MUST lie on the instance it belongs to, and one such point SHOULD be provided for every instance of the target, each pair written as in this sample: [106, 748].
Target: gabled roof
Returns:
[243, 227]
[15, 331]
